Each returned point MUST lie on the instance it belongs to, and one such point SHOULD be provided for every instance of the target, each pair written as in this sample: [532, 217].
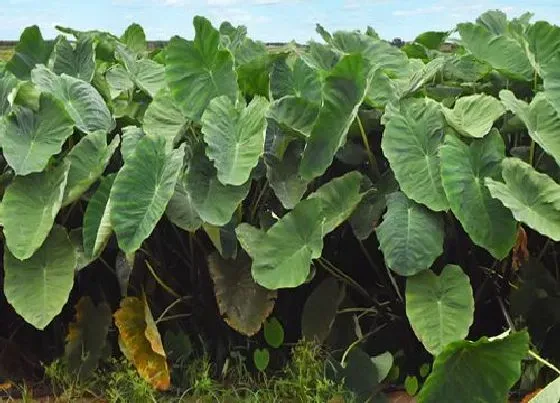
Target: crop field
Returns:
[215, 219]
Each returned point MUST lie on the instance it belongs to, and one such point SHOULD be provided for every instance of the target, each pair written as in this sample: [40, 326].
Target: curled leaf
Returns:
[141, 343]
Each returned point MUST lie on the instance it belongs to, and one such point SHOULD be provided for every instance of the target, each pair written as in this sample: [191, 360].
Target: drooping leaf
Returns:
[243, 304]
[550, 394]
[282, 255]
[463, 169]
[78, 61]
[540, 117]
[30, 50]
[29, 138]
[96, 224]
[410, 236]
[474, 115]
[7, 83]
[76, 237]
[343, 92]
[223, 237]
[87, 337]
[29, 207]
[181, 210]
[503, 52]
[411, 142]
[320, 308]
[273, 332]
[88, 159]
[295, 113]
[482, 371]
[39, 287]
[164, 118]
[141, 341]
[81, 100]
[283, 174]
[368, 212]
[339, 198]
[198, 71]
[124, 264]
[532, 197]
[134, 38]
[150, 175]
[411, 385]
[449, 299]
[213, 201]
[235, 137]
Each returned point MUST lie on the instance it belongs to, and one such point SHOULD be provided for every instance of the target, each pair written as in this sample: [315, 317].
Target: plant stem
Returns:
[259, 197]
[160, 281]
[336, 272]
[371, 157]
[170, 306]
[544, 362]
[532, 152]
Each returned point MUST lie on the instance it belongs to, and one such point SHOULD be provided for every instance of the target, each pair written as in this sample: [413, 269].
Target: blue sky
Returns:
[267, 20]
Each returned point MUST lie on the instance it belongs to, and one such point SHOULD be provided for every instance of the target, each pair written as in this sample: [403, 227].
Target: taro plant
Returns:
[444, 161]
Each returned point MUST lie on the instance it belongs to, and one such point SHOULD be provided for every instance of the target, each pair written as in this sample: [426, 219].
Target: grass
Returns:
[303, 379]
[6, 53]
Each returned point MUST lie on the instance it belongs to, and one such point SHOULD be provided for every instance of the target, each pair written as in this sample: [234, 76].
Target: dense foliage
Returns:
[398, 205]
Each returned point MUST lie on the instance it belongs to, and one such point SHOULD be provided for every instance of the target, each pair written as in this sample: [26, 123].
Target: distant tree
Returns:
[398, 42]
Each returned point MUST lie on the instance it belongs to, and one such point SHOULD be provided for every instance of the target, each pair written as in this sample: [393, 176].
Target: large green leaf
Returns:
[235, 137]
[88, 159]
[282, 255]
[97, 224]
[501, 51]
[532, 197]
[214, 201]
[543, 40]
[39, 287]
[78, 62]
[131, 135]
[243, 304]
[149, 175]
[29, 138]
[134, 38]
[540, 117]
[410, 236]
[197, 71]
[29, 207]
[298, 80]
[30, 50]
[343, 92]
[164, 118]
[411, 141]
[81, 99]
[181, 210]
[474, 115]
[449, 300]
[463, 169]
[149, 76]
[339, 198]
[119, 80]
[481, 371]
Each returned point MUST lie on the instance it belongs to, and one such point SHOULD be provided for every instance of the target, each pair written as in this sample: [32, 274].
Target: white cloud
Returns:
[419, 11]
